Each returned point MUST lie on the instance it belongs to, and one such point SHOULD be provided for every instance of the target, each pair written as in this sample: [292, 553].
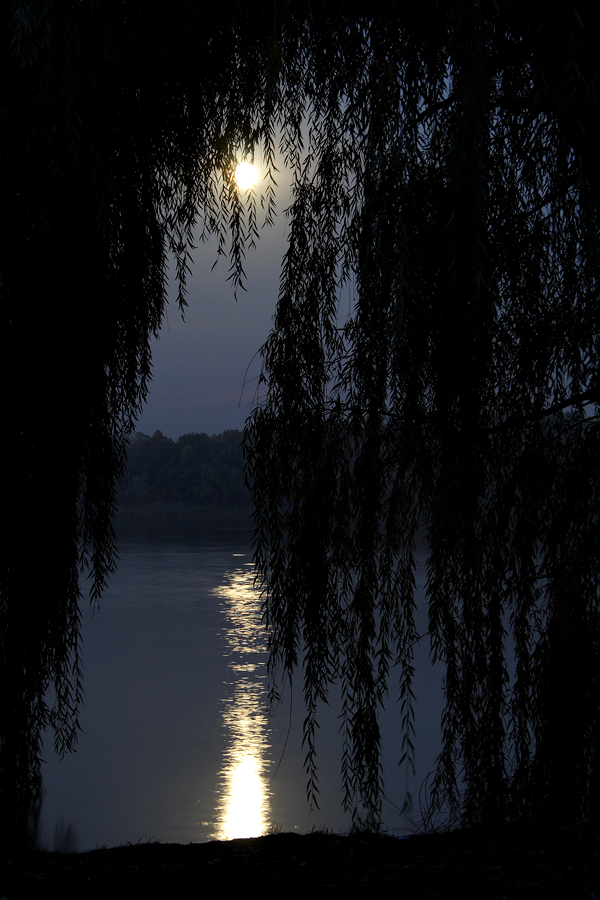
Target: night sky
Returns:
[200, 364]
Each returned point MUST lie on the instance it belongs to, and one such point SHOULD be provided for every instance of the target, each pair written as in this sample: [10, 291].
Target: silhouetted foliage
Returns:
[438, 315]
[434, 366]
[120, 125]
[194, 471]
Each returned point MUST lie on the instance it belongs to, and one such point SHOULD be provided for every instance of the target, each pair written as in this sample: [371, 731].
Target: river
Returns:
[178, 742]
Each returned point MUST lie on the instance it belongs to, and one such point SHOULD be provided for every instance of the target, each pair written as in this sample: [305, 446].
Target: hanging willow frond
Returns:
[448, 190]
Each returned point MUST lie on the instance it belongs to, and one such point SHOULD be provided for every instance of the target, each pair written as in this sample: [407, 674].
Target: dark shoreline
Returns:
[523, 861]
[205, 518]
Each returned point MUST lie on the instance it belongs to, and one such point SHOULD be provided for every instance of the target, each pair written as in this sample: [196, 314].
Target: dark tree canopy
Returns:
[433, 363]
[194, 473]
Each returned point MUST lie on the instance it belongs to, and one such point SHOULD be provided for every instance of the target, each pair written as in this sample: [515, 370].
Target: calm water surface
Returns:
[178, 742]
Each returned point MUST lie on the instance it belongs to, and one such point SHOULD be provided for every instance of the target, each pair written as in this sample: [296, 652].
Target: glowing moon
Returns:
[246, 176]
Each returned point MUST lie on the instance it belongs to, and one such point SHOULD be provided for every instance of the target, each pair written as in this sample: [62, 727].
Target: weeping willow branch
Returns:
[441, 192]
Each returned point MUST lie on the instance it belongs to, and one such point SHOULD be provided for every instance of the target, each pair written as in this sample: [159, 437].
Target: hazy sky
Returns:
[200, 364]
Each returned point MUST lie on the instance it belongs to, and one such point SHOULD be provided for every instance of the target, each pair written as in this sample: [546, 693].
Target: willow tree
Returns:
[120, 127]
[445, 185]
[434, 366]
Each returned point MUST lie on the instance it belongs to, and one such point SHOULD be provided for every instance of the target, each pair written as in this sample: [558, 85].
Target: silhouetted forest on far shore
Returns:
[196, 476]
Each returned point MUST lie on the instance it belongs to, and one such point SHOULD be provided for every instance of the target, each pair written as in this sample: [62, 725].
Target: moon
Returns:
[246, 176]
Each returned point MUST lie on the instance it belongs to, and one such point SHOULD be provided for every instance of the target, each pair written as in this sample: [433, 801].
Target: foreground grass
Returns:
[517, 862]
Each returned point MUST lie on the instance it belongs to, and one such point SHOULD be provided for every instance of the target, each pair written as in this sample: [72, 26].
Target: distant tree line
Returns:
[195, 471]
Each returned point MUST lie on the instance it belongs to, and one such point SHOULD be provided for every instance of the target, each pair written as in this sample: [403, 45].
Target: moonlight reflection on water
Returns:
[244, 794]
[178, 742]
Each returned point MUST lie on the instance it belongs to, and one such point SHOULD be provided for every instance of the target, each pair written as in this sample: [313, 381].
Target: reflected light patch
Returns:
[244, 813]
[245, 793]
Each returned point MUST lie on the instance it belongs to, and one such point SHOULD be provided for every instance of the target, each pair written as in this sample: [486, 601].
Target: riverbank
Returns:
[180, 515]
[518, 862]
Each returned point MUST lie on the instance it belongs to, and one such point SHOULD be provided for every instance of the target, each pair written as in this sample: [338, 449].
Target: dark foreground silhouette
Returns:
[518, 862]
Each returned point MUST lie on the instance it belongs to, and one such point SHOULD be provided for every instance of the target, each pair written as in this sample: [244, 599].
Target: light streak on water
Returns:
[244, 795]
